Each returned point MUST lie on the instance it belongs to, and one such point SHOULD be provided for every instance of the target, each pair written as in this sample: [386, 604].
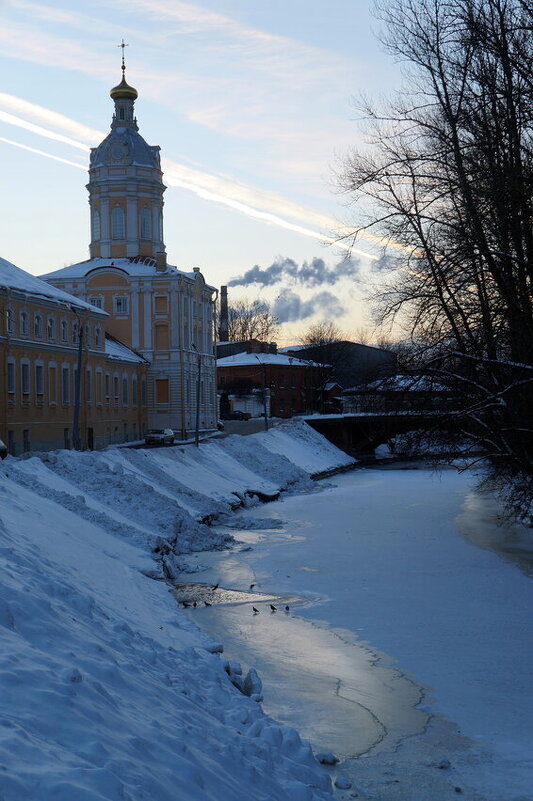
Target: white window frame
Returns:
[25, 378]
[117, 222]
[39, 379]
[118, 301]
[11, 377]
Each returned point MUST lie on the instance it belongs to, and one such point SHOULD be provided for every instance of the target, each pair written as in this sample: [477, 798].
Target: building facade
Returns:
[163, 313]
[43, 405]
[289, 383]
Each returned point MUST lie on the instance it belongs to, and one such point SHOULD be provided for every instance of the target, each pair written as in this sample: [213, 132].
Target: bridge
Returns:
[358, 433]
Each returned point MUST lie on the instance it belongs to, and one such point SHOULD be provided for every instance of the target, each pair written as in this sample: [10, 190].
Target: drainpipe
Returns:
[76, 439]
[198, 384]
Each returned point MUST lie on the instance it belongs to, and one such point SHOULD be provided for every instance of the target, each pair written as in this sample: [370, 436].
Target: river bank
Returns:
[406, 648]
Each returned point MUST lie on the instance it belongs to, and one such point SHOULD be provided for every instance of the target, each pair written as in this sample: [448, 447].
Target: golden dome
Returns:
[124, 90]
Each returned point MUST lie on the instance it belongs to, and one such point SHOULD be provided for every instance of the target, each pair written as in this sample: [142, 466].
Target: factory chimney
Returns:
[223, 328]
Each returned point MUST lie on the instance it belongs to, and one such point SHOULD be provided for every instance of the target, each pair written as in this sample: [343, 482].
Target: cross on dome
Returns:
[123, 44]
[123, 90]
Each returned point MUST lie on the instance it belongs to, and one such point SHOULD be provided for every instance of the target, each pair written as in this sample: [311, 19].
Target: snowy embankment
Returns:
[108, 691]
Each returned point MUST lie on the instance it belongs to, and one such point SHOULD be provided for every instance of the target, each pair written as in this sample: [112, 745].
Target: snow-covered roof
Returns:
[13, 277]
[401, 383]
[116, 350]
[243, 359]
[132, 265]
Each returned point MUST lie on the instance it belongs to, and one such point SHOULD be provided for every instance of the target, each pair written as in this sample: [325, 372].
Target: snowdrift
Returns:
[108, 691]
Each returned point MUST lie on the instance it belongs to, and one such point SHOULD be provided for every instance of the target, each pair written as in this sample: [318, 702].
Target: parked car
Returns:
[159, 436]
[237, 415]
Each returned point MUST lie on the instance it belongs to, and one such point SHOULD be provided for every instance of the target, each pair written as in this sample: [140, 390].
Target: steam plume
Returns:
[310, 274]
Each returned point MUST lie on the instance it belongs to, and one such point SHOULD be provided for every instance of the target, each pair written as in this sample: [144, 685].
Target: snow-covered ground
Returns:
[108, 691]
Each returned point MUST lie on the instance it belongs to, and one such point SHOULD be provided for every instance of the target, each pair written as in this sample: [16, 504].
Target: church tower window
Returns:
[117, 223]
[96, 224]
[146, 223]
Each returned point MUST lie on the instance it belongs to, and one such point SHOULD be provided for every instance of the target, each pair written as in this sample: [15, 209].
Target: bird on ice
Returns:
[256, 611]
[273, 608]
[215, 586]
[252, 586]
[287, 608]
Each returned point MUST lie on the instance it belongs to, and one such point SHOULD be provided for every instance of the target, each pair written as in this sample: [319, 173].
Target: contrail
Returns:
[257, 205]
[43, 153]
[12, 119]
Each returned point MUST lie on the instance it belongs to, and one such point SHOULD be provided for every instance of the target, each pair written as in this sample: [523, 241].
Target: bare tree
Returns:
[321, 333]
[251, 319]
[450, 180]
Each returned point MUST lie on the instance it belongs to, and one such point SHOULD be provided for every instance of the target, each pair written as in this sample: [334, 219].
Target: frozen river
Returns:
[406, 649]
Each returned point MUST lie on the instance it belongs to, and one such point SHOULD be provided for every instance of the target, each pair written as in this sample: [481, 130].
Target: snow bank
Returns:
[304, 446]
[108, 691]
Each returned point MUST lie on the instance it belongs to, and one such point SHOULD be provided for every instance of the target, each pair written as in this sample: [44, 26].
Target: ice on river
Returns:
[379, 558]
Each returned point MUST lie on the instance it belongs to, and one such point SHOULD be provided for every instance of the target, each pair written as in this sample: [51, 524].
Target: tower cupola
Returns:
[124, 97]
[125, 185]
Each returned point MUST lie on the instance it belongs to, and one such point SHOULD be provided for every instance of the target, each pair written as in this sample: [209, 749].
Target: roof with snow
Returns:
[12, 277]
[244, 359]
[116, 350]
[132, 265]
[333, 342]
[401, 383]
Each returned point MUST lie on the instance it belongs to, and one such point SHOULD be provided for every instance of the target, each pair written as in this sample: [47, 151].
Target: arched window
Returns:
[97, 341]
[146, 223]
[51, 329]
[37, 326]
[96, 224]
[10, 321]
[64, 331]
[117, 223]
[24, 323]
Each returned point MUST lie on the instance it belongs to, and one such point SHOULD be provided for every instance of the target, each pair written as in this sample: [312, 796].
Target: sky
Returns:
[252, 105]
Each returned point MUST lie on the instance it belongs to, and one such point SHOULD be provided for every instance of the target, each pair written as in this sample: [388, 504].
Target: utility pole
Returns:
[263, 366]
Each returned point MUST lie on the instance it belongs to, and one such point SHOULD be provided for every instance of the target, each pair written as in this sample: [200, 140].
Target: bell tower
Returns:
[125, 186]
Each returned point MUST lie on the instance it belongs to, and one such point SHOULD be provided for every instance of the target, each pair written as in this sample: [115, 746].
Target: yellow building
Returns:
[164, 313]
[40, 349]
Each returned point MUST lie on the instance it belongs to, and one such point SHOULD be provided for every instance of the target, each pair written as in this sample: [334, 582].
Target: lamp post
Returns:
[198, 384]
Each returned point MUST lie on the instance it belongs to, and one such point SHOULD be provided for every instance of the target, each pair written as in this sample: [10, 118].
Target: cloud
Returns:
[313, 273]
[289, 306]
[272, 54]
